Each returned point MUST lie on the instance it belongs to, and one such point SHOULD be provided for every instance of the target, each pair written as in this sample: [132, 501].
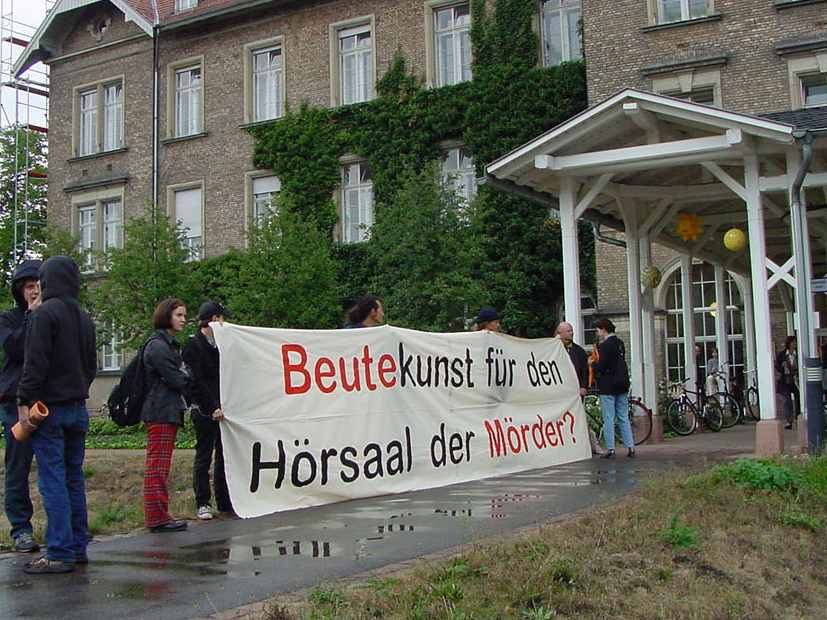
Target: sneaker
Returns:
[608, 455]
[169, 526]
[24, 543]
[45, 566]
[631, 453]
[204, 513]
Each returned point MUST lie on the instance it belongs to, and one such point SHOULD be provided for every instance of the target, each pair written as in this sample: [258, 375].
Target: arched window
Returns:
[703, 297]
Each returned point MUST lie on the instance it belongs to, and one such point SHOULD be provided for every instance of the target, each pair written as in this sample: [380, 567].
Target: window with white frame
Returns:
[112, 224]
[706, 307]
[813, 89]
[561, 31]
[668, 11]
[99, 118]
[88, 235]
[704, 95]
[452, 43]
[188, 93]
[88, 131]
[112, 116]
[264, 191]
[111, 356]
[268, 93]
[355, 52]
[188, 218]
[356, 202]
[459, 173]
[185, 5]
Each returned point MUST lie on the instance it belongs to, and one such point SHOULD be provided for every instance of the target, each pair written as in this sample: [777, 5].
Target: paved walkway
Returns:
[223, 565]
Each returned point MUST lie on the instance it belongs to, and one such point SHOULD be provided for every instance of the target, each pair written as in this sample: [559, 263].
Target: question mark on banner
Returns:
[570, 416]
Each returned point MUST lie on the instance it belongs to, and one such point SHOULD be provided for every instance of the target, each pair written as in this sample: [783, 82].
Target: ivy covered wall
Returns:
[515, 262]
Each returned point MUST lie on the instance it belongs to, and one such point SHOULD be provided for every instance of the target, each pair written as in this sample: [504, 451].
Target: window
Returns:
[452, 42]
[268, 94]
[561, 31]
[679, 10]
[112, 224]
[88, 234]
[355, 65]
[357, 202]
[696, 85]
[187, 101]
[99, 118]
[188, 217]
[185, 5]
[264, 192]
[88, 123]
[705, 96]
[814, 89]
[459, 172]
[112, 116]
[703, 297]
[111, 356]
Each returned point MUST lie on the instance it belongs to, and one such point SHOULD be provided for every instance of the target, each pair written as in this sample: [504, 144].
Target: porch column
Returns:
[650, 379]
[722, 320]
[630, 221]
[689, 362]
[749, 330]
[769, 439]
[571, 258]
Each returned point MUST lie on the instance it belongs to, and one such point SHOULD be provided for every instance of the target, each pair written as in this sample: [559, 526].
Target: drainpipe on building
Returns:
[813, 395]
[156, 35]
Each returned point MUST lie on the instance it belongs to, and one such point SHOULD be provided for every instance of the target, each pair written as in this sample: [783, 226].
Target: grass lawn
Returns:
[114, 492]
[744, 540]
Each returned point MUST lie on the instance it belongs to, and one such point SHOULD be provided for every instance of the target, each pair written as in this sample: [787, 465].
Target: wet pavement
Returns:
[225, 564]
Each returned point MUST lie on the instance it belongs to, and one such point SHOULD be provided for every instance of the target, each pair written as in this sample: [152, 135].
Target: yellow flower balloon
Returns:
[735, 240]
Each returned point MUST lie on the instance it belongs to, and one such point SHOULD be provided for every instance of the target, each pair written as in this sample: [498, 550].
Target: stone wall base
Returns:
[769, 438]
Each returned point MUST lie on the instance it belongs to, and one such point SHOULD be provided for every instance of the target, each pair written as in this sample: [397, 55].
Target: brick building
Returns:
[750, 56]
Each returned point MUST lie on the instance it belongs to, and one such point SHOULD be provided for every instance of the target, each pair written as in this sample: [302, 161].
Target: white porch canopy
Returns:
[638, 161]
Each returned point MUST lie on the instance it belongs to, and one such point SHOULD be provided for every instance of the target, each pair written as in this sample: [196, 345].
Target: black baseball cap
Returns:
[212, 308]
[487, 314]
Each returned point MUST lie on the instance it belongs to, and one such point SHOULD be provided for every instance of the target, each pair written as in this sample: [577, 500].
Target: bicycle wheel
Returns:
[641, 420]
[751, 404]
[681, 416]
[730, 409]
[713, 415]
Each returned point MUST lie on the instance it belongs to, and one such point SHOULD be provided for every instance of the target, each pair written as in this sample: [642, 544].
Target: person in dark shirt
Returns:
[25, 288]
[59, 365]
[613, 387]
[580, 360]
[202, 360]
[366, 312]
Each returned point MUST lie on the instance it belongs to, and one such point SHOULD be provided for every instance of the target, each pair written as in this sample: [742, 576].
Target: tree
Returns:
[423, 249]
[150, 267]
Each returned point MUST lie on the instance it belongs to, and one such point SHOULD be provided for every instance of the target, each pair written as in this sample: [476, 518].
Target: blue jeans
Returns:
[616, 407]
[59, 447]
[18, 463]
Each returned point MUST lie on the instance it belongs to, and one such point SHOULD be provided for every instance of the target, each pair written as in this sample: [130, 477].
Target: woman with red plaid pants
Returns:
[163, 411]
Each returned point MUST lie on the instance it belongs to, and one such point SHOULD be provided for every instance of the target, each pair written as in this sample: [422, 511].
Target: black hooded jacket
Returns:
[61, 359]
[13, 326]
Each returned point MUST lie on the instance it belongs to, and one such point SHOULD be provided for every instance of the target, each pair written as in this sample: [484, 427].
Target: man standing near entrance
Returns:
[580, 361]
[14, 323]
[202, 358]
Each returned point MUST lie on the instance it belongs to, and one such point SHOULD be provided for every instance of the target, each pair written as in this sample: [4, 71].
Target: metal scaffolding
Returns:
[24, 106]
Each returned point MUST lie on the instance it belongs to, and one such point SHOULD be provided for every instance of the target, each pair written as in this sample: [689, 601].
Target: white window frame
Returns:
[463, 180]
[363, 192]
[801, 79]
[88, 235]
[185, 5]
[352, 27]
[250, 197]
[683, 83]
[565, 9]
[94, 132]
[801, 67]
[188, 121]
[273, 79]
[111, 355]
[173, 98]
[432, 7]
[250, 51]
[95, 202]
[196, 250]
[656, 8]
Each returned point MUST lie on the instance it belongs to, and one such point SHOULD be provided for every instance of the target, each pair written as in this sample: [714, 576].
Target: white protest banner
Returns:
[319, 416]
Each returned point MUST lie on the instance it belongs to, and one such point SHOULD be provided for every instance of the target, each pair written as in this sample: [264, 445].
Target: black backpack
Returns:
[127, 398]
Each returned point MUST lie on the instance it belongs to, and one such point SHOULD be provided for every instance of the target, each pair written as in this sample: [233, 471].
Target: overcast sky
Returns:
[29, 14]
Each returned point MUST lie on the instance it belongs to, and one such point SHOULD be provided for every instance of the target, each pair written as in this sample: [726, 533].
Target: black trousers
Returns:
[207, 442]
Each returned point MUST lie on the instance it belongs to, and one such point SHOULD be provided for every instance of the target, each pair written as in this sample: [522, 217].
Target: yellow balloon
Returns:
[735, 240]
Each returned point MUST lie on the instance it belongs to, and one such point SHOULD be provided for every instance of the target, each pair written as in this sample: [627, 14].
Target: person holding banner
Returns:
[367, 312]
[202, 360]
[487, 319]
[613, 387]
[163, 412]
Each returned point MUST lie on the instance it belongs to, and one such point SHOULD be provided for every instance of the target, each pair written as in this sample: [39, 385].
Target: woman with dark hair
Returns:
[163, 411]
[786, 364]
[367, 312]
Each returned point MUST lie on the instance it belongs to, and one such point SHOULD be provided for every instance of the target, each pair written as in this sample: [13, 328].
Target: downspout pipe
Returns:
[813, 395]
[156, 87]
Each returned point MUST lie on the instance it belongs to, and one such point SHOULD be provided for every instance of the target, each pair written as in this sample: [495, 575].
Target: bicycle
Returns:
[640, 418]
[731, 411]
[683, 414]
[750, 396]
